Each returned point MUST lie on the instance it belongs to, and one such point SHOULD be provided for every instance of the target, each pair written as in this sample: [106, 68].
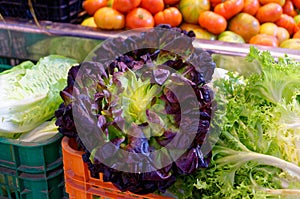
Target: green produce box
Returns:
[4, 64]
[17, 185]
[4, 67]
[31, 157]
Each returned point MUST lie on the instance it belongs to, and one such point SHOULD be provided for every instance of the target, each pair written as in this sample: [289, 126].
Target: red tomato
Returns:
[297, 35]
[91, 6]
[287, 22]
[153, 6]
[125, 5]
[270, 12]
[264, 40]
[213, 22]
[170, 16]
[288, 8]
[251, 6]
[229, 8]
[296, 3]
[280, 2]
[139, 18]
[213, 3]
[296, 28]
[171, 2]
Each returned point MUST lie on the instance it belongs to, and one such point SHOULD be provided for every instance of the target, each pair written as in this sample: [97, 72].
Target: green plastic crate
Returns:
[7, 63]
[4, 67]
[19, 185]
[4, 64]
[31, 157]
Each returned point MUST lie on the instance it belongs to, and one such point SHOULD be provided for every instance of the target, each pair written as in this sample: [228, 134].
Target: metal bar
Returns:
[66, 29]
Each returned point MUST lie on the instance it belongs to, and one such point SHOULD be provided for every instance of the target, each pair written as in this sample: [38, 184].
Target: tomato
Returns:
[297, 35]
[297, 20]
[245, 25]
[296, 28]
[90, 22]
[280, 2]
[270, 12]
[272, 29]
[171, 2]
[191, 9]
[212, 22]
[229, 8]
[296, 3]
[230, 36]
[213, 3]
[153, 6]
[287, 22]
[291, 44]
[251, 6]
[109, 18]
[282, 34]
[264, 40]
[170, 15]
[199, 32]
[91, 6]
[125, 5]
[288, 8]
[268, 28]
[139, 18]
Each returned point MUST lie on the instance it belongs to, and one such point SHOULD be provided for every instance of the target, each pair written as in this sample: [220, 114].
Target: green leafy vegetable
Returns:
[30, 93]
[41, 133]
[72, 47]
[140, 99]
[258, 151]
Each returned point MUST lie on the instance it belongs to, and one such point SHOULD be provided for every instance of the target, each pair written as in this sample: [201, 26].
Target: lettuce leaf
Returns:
[30, 93]
[40, 134]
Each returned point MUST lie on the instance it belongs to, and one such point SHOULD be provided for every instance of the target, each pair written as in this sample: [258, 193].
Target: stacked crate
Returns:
[31, 170]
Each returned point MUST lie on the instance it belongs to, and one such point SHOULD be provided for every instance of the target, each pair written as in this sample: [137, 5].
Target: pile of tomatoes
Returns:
[262, 22]
[119, 14]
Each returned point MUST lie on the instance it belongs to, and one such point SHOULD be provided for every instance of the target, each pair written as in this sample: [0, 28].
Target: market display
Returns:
[127, 122]
[269, 22]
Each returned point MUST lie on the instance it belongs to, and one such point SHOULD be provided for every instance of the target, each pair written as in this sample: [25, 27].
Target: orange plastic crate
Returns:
[79, 183]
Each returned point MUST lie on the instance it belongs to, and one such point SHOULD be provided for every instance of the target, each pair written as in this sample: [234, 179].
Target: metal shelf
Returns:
[48, 29]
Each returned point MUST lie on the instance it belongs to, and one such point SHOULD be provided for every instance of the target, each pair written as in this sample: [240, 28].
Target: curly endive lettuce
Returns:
[258, 151]
[30, 93]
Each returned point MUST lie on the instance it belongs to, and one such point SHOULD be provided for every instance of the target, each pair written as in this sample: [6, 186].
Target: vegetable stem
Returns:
[283, 191]
[264, 159]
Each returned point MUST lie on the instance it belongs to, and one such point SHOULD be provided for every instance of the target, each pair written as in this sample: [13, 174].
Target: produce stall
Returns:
[257, 153]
